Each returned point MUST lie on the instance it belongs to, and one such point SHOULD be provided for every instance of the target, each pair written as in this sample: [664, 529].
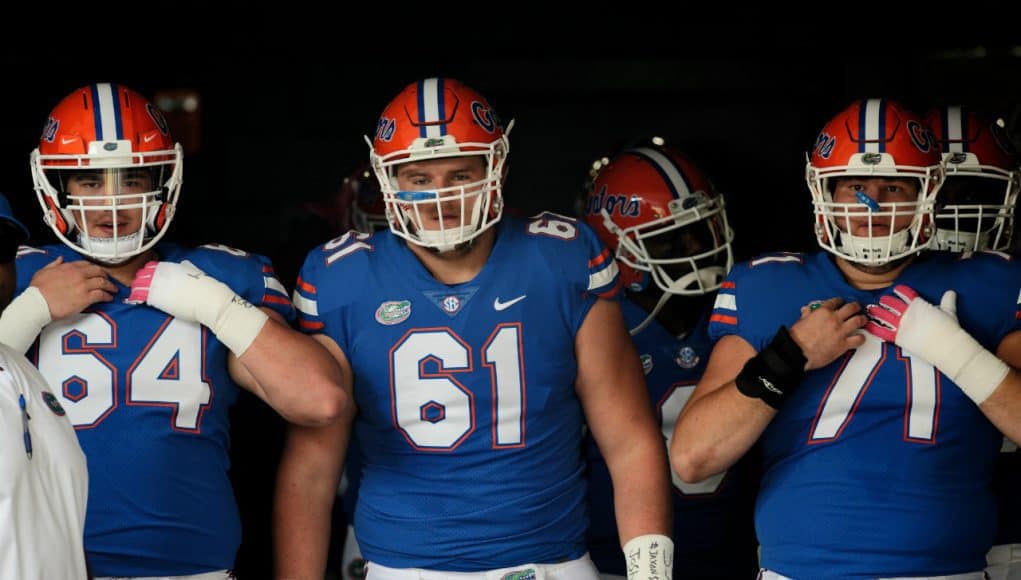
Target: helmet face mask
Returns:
[975, 213]
[447, 216]
[431, 120]
[975, 207]
[106, 173]
[664, 221]
[871, 231]
[879, 140]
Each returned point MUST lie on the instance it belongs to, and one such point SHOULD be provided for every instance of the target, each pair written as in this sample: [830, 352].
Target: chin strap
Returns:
[652, 315]
[704, 276]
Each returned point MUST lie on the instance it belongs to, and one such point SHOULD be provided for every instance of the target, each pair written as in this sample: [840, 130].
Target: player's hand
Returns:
[186, 292]
[70, 287]
[179, 289]
[935, 335]
[828, 331]
[906, 319]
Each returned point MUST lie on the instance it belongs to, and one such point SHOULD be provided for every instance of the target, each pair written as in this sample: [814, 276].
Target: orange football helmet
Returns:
[120, 142]
[874, 138]
[975, 206]
[432, 119]
[663, 219]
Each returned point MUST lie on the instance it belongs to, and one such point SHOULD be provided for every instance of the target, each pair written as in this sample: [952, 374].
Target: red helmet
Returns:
[122, 142]
[663, 219]
[874, 138]
[975, 206]
[368, 212]
[432, 119]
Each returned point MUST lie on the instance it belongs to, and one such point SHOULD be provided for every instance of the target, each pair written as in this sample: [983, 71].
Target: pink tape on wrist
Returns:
[140, 285]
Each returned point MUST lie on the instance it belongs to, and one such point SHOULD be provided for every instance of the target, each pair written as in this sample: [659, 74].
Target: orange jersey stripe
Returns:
[723, 318]
[305, 286]
[599, 259]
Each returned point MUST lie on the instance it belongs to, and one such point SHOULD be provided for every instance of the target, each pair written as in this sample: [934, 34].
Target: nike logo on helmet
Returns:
[497, 305]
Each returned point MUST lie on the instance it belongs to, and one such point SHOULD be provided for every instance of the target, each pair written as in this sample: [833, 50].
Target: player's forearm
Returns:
[1003, 406]
[23, 319]
[296, 376]
[305, 492]
[301, 534]
[641, 483]
[714, 431]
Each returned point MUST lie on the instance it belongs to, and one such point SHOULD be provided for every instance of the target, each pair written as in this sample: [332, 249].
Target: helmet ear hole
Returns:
[496, 205]
[59, 222]
[158, 217]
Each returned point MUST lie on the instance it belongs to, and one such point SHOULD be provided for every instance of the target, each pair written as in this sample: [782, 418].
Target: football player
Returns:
[975, 212]
[878, 447]
[479, 345]
[667, 225]
[148, 342]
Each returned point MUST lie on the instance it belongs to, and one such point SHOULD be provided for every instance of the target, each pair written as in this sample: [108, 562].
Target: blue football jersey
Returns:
[148, 396]
[468, 422]
[876, 464]
[714, 535]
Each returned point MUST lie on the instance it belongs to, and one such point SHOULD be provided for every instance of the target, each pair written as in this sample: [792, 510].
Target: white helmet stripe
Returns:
[106, 108]
[954, 130]
[874, 111]
[430, 105]
[668, 169]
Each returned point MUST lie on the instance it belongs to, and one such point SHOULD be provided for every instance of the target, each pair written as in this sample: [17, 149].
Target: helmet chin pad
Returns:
[111, 250]
[700, 281]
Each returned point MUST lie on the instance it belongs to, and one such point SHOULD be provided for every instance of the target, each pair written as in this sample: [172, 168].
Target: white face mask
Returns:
[111, 250]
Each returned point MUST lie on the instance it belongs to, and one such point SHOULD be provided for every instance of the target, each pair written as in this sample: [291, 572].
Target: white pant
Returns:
[767, 575]
[1004, 562]
[580, 569]
[218, 575]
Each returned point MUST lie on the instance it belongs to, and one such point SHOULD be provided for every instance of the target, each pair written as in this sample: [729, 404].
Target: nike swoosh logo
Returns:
[67, 140]
[148, 138]
[497, 305]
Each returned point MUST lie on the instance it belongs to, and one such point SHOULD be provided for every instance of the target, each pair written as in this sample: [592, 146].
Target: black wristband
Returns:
[773, 374]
